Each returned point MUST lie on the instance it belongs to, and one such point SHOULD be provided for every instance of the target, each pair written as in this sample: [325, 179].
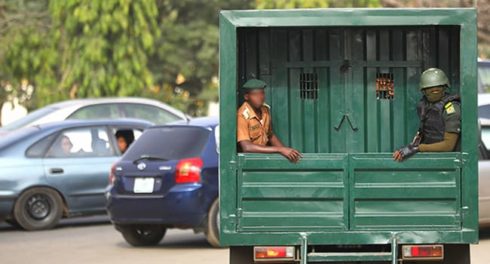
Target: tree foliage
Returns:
[186, 61]
[165, 49]
[104, 46]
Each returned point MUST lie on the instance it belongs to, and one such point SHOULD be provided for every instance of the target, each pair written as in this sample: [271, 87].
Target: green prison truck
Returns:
[347, 200]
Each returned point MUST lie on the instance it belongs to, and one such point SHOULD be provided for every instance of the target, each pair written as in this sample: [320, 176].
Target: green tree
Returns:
[185, 65]
[26, 52]
[104, 46]
[164, 49]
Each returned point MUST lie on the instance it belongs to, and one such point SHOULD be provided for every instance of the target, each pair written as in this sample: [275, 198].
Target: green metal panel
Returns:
[425, 195]
[311, 196]
[347, 190]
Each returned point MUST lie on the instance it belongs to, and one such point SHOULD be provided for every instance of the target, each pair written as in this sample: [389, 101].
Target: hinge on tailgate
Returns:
[239, 212]
[232, 165]
[464, 211]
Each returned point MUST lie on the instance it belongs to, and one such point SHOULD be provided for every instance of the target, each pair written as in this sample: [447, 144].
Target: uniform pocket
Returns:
[254, 132]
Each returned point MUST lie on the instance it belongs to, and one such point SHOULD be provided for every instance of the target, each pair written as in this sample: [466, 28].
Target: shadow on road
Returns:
[174, 245]
[64, 223]
[485, 232]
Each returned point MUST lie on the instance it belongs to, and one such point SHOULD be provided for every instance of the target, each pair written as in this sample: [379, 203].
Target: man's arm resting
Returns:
[248, 146]
[291, 154]
[446, 145]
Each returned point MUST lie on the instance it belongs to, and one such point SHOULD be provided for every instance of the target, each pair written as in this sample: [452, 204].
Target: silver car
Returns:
[100, 108]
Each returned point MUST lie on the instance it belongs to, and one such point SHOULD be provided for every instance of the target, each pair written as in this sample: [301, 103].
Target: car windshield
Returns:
[168, 143]
[26, 120]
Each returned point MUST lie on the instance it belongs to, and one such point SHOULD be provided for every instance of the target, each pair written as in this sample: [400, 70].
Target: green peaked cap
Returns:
[254, 84]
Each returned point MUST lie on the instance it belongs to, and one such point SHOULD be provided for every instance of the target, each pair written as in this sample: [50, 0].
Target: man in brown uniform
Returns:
[254, 128]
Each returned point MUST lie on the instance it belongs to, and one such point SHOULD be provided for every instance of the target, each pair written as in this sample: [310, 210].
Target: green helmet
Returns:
[433, 77]
[254, 84]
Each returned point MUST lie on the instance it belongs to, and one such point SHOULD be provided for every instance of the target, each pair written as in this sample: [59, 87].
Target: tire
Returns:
[38, 209]
[142, 235]
[212, 229]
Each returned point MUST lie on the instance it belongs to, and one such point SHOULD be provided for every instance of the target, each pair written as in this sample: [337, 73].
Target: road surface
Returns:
[94, 240]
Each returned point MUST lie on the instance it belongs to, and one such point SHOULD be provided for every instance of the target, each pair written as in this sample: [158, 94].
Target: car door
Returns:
[78, 163]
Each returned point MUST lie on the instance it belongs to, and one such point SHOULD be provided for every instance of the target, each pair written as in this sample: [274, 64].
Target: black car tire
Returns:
[38, 209]
[142, 235]
[212, 230]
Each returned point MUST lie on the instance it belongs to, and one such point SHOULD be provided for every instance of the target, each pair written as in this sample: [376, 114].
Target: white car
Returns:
[100, 108]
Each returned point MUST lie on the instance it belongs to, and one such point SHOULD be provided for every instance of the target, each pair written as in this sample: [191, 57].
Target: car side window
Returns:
[38, 149]
[151, 113]
[81, 142]
[125, 136]
[485, 143]
[97, 112]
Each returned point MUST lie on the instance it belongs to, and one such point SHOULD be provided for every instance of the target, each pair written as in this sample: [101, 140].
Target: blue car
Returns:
[59, 169]
[167, 179]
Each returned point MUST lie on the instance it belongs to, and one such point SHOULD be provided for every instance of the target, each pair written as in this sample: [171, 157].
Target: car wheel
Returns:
[212, 230]
[38, 208]
[142, 235]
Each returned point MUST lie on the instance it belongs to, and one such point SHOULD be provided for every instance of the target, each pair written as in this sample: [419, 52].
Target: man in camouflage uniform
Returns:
[440, 117]
[254, 127]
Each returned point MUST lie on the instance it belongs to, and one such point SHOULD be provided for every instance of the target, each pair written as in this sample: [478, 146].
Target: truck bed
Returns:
[339, 195]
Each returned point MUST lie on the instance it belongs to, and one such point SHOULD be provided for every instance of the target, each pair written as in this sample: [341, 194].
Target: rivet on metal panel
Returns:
[238, 217]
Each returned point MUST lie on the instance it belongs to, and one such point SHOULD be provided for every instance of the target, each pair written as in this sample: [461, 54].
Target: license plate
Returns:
[143, 185]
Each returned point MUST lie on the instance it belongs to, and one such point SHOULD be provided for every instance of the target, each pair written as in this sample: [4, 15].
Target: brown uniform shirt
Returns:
[250, 127]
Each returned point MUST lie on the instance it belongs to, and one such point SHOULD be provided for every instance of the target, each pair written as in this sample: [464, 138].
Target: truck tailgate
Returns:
[327, 192]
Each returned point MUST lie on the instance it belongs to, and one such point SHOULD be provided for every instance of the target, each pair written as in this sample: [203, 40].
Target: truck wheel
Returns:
[142, 235]
[38, 208]
[212, 230]
[241, 255]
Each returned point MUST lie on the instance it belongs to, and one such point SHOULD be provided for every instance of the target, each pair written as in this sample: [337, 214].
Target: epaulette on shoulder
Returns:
[449, 107]
[246, 113]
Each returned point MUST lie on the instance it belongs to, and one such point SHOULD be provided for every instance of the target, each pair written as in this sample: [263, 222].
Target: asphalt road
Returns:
[94, 240]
